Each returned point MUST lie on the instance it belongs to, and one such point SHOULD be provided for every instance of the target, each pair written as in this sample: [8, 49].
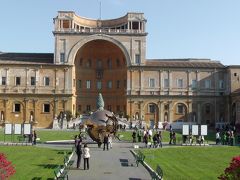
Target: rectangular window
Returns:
[99, 64]
[221, 84]
[109, 107]
[88, 108]
[180, 109]
[62, 57]
[180, 83]
[17, 107]
[4, 80]
[109, 63]
[166, 83]
[33, 81]
[109, 85]
[194, 84]
[118, 108]
[151, 83]
[46, 108]
[137, 59]
[18, 81]
[88, 84]
[46, 81]
[207, 84]
[151, 108]
[80, 83]
[118, 63]
[118, 84]
[99, 85]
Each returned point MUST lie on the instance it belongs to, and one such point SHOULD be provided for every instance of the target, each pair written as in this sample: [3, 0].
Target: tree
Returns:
[6, 168]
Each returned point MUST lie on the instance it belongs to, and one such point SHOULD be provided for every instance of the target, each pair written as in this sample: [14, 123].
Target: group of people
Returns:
[107, 141]
[85, 152]
[146, 136]
[225, 137]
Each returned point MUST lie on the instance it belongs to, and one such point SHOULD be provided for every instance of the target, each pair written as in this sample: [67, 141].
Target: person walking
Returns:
[110, 140]
[34, 137]
[79, 153]
[86, 156]
[105, 142]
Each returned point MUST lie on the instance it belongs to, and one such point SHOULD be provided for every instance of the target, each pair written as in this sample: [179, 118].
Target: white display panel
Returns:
[27, 129]
[8, 129]
[203, 130]
[194, 130]
[185, 130]
[17, 129]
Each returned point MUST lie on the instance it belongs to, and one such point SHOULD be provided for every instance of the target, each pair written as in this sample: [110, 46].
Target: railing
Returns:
[100, 30]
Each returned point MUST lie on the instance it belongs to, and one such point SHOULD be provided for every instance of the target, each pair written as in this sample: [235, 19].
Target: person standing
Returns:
[217, 137]
[86, 156]
[110, 140]
[105, 142]
[79, 153]
[34, 137]
[134, 136]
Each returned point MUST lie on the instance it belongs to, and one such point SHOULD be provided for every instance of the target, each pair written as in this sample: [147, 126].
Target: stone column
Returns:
[55, 107]
[170, 111]
[7, 77]
[161, 109]
[5, 101]
[141, 79]
[188, 81]
[25, 117]
[35, 110]
[160, 80]
[189, 111]
[169, 80]
[198, 80]
[27, 81]
[65, 80]
[56, 80]
[199, 113]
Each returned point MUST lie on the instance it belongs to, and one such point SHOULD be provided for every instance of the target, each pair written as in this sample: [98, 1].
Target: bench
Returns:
[139, 157]
[158, 174]
[60, 174]
[67, 162]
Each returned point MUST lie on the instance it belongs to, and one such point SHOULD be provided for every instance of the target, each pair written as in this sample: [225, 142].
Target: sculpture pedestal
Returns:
[55, 123]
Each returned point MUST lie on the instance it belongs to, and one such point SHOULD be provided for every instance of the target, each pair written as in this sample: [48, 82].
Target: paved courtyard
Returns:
[117, 163]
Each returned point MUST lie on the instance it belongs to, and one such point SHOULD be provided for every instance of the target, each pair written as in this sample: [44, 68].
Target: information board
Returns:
[203, 130]
[185, 130]
[27, 129]
[194, 130]
[8, 129]
[17, 129]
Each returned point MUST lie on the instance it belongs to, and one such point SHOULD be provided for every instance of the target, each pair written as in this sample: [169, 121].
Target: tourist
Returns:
[79, 153]
[105, 142]
[155, 140]
[86, 156]
[217, 137]
[134, 136]
[139, 135]
[160, 138]
[34, 137]
[174, 137]
[145, 139]
[190, 138]
[110, 140]
[150, 133]
[171, 137]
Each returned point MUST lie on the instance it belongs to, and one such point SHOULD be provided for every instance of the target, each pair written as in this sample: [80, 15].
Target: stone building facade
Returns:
[109, 56]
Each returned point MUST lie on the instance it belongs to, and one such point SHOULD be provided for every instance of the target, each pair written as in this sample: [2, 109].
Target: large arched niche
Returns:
[100, 66]
[73, 52]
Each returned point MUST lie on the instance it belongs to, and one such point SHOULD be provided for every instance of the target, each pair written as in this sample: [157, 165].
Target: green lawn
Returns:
[45, 135]
[191, 162]
[33, 162]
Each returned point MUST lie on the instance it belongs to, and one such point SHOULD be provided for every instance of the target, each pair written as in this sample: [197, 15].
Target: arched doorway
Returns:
[180, 114]
[152, 115]
[100, 67]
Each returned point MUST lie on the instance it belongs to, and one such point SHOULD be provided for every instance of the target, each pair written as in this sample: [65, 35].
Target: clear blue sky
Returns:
[176, 28]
